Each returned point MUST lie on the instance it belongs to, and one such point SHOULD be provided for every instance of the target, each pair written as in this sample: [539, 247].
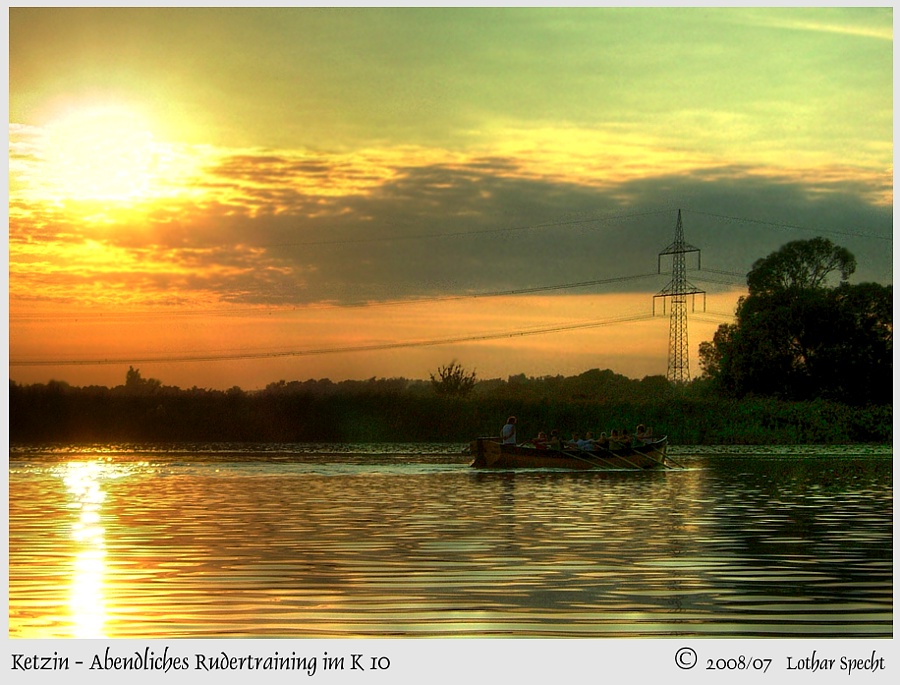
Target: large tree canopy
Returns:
[800, 265]
[797, 337]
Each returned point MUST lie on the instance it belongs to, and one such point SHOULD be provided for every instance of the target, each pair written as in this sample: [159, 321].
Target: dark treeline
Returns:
[401, 410]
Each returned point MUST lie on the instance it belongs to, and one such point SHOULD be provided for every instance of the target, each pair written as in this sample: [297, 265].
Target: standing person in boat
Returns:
[508, 432]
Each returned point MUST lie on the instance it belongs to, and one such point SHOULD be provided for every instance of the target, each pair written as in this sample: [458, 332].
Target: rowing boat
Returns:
[490, 453]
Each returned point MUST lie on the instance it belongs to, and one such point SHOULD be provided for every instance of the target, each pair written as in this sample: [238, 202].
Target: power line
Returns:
[718, 316]
[776, 224]
[381, 303]
[463, 234]
[567, 222]
[331, 350]
[723, 273]
[718, 281]
[506, 293]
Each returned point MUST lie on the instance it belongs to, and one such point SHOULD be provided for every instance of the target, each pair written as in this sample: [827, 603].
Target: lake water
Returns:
[358, 541]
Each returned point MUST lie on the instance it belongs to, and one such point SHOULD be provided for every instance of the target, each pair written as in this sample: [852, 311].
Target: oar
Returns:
[667, 457]
[681, 466]
[619, 456]
[661, 462]
[611, 455]
[587, 461]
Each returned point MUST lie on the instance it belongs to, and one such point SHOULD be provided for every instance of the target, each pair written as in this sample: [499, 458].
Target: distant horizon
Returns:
[426, 380]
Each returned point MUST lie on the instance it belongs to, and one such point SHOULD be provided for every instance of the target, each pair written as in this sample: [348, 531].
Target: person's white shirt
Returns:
[508, 434]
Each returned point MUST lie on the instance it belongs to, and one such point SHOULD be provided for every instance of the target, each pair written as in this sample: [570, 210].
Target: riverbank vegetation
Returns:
[401, 410]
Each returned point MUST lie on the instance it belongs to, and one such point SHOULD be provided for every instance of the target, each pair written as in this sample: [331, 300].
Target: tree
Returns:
[861, 355]
[800, 265]
[453, 380]
[135, 384]
[796, 337]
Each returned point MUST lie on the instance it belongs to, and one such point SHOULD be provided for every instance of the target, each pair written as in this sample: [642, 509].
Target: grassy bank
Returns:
[65, 414]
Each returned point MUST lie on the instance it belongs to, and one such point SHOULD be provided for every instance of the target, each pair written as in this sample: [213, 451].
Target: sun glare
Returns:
[109, 154]
[87, 603]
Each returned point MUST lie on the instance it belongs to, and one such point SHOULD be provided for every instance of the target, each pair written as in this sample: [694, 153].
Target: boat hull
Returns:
[490, 453]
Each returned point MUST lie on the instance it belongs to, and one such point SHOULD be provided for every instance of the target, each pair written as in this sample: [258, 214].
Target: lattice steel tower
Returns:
[678, 290]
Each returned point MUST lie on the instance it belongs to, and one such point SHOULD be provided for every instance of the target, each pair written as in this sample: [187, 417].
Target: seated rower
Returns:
[573, 443]
[587, 443]
[643, 433]
[554, 441]
[540, 441]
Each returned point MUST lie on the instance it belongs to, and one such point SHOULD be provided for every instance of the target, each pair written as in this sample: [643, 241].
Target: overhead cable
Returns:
[328, 350]
[776, 224]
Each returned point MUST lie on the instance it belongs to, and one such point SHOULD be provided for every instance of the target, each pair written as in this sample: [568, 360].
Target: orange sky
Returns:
[498, 336]
[234, 197]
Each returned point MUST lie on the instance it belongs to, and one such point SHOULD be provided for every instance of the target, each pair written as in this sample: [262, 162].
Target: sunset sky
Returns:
[226, 197]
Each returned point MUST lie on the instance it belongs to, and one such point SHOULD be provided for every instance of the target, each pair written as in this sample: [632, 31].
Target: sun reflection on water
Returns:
[87, 600]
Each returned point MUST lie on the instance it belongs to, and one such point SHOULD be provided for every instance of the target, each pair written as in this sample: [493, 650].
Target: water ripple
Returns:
[138, 541]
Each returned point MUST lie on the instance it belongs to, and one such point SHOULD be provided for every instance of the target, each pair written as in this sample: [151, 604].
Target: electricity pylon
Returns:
[678, 289]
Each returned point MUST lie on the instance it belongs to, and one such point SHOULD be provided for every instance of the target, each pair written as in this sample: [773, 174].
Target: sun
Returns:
[108, 154]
